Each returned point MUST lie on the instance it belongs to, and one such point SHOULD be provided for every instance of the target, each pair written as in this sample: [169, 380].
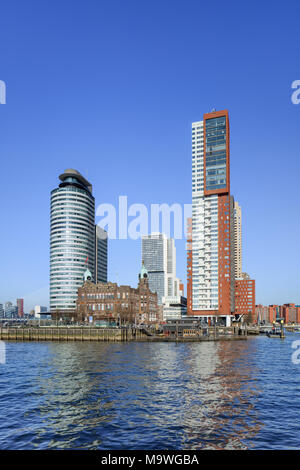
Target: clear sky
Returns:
[111, 89]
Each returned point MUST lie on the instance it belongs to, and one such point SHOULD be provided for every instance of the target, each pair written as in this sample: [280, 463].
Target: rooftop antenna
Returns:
[213, 110]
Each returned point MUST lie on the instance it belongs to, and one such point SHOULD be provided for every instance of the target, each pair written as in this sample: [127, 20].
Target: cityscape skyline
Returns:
[100, 121]
[149, 290]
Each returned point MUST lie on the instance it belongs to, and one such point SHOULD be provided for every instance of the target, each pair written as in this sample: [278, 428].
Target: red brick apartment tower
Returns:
[20, 305]
[210, 284]
[289, 313]
[245, 297]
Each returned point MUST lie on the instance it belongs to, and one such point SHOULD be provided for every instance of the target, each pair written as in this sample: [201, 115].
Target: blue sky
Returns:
[111, 89]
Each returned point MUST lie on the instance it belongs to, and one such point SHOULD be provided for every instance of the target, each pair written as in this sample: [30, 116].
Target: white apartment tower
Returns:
[238, 239]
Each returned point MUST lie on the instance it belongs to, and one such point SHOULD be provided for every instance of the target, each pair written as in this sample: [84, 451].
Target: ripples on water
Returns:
[224, 395]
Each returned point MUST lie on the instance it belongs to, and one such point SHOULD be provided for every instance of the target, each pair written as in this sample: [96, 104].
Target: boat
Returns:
[275, 333]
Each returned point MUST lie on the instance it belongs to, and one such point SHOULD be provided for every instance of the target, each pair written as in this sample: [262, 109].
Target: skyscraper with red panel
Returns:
[211, 278]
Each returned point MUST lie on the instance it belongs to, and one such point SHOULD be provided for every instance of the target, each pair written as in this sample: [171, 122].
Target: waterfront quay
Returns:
[75, 333]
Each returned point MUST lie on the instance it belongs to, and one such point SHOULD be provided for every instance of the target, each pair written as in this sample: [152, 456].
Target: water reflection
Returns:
[139, 395]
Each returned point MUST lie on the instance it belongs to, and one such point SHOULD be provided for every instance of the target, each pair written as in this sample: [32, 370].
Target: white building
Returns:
[72, 238]
[159, 257]
[174, 307]
[237, 239]
[39, 310]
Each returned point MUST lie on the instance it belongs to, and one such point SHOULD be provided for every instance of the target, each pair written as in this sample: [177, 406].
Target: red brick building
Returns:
[290, 313]
[245, 297]
[20, 305]
[119, 304]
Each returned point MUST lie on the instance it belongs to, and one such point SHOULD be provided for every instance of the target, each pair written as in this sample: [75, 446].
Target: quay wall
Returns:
[54, 333]
[70, 334]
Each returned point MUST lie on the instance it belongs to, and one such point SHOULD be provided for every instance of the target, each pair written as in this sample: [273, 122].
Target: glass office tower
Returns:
[100, 254]
[72, 239]
[159, 258]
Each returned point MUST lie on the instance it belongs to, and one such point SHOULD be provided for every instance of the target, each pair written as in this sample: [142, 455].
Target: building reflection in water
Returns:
[138, 395]
[68, 400]
[224, 416]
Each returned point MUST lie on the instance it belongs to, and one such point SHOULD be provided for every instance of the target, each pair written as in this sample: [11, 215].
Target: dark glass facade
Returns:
[215, 153]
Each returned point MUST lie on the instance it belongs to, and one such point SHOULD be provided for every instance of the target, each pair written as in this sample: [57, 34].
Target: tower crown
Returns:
[143, 272]
[87, 276]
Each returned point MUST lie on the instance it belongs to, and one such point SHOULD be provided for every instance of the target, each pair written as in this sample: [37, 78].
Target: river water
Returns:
[210, 395]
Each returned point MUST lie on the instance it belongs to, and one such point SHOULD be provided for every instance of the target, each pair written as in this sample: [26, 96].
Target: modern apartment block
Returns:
[159, 257]
[100, 254]
[72, 239]
[245, 297]
[210, 275]
[237, 211]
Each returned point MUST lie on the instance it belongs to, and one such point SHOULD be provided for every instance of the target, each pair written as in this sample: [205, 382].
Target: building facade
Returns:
[174, 307]
[10, 310]
[20, 306]
[237, 239]
[72, 239]
[39, 311]
[110, 303]
[210, 284]
[159, 257]
[245, 298]
[289, 313]
[100, 254]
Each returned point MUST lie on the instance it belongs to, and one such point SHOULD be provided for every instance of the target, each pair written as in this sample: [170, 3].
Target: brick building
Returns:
[245, 297]
[117, 304]
[290, 313]
[20, 305]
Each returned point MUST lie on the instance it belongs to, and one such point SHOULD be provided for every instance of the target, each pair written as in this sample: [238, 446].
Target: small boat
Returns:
[275, 333]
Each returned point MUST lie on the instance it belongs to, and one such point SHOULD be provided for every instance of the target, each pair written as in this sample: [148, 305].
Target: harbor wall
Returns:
[109, 334]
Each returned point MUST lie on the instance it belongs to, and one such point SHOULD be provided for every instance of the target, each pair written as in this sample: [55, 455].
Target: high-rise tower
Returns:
[237, 239]
[100, 254]
[210, 282]
[72, 239]
[159, 257]
[20, 305]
